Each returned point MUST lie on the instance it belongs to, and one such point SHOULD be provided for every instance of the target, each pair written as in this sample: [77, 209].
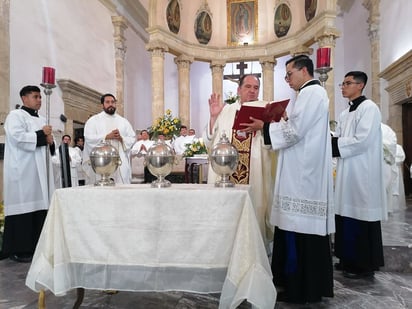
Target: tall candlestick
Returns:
[323, 57]
[48, 75]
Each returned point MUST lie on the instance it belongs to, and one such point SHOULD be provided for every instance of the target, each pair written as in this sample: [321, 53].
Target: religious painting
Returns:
[242, 21]
[310, 9]
[283, 20]
[203, 27]
[173, 16]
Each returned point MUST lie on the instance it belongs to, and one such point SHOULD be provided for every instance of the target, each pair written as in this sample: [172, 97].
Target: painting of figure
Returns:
[310, 9]
[283, 20]
[173, 16]
[242, 21]
[203, 27]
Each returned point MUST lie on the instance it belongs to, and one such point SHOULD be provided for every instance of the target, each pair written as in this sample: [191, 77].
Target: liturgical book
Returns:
[267, 112]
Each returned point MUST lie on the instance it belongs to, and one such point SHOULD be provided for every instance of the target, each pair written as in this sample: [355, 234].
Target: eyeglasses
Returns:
[345, 84]
[289, 74]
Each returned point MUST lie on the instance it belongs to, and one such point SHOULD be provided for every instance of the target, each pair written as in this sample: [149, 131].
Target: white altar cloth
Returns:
[187, 237]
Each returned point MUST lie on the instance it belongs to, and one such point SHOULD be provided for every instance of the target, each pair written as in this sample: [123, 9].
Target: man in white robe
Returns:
[262, 163]
[179, 144]
[398, 189]
[26, 190]
[302, 210]
[360, 195]
[110, 127]
[75, 162]
[389, 142]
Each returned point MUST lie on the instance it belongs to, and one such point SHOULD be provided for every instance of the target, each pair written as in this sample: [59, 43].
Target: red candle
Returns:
[48, 75]
[323, 57]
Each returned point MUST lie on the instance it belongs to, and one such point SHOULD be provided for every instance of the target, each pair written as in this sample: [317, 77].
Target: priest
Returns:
[256, 161]
[108, 126]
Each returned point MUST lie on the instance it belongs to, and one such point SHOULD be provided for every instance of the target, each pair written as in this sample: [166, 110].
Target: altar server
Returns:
[360, 193]
[26, 191]
[302, 209]
[114, 129]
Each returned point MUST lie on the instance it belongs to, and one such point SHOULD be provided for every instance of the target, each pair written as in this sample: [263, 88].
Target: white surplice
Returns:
[25, 176]
[303, 197]
[360, 192]
[389, 142]
[75, 162]
[95, 131]
[262, 165]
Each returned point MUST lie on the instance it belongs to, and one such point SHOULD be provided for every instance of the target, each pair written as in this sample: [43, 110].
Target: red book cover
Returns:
[272, 111]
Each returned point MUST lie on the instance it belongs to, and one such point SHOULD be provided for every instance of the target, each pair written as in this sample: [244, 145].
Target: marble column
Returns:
[374, 14]
[268, 64]
[157, 50]
[119, 25]
[183, 63]
[217, 67]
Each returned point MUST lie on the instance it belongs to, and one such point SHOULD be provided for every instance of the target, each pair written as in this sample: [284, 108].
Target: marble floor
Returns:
[390, 288]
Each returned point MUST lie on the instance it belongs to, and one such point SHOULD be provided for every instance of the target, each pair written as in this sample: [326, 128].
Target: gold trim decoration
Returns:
[242, 22]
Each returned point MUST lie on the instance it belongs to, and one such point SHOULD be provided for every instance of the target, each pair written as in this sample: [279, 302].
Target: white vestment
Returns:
[75, 162]
[398, 189]
[95, 131]
[25, 176]
[179, 144]
[137, 147]
[262, 161]
[389, 142]
[303, 197]
[359, 191]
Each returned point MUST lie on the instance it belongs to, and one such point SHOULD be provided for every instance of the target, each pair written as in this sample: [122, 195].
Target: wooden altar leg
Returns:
[41, 303]
[79, 300]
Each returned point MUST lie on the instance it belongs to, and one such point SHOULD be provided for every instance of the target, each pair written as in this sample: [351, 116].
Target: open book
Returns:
[262, 110]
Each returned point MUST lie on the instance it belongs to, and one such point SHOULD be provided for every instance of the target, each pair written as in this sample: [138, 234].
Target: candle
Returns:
[48, 75]
[323, 57]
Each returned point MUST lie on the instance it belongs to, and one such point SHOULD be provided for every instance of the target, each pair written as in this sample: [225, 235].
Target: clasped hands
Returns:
[115, 134]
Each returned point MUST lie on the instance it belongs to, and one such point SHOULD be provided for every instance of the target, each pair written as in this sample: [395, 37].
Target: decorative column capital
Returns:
[157, 48]
[374, 18]
[268, 62]
[327, 37]
[119, 25]
[183, 61]
[217, 66]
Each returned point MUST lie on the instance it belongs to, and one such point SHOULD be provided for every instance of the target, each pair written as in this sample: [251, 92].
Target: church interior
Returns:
[159, 55]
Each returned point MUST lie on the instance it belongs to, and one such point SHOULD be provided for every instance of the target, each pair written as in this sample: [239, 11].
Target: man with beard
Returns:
[112, 128]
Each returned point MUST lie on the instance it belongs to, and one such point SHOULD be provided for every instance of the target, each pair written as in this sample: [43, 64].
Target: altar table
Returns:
[188, 237]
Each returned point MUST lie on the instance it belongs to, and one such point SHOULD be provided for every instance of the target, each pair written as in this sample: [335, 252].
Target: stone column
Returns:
[183, 67]
[157, 50]
[374, 14]
[327, 38]
[268, 64]
[217, 67]
[119, 25]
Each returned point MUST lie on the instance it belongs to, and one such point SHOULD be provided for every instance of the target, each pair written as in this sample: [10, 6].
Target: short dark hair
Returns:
[28, 89]
[106, 95]
[242, 79]
[301, 61]
[77, 138]
[183, 127]
[359, 76]
[67, 136]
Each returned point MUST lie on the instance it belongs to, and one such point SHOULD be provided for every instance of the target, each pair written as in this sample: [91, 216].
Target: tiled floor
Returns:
[391, 287]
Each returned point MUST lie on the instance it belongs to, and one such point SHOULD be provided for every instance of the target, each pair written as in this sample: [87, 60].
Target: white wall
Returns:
[42, 35]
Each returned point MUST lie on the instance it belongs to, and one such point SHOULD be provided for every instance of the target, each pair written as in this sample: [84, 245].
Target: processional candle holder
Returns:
[48, 83]
[323, 64]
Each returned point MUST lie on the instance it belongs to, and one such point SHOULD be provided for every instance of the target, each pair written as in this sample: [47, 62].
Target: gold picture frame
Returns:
[242, 22]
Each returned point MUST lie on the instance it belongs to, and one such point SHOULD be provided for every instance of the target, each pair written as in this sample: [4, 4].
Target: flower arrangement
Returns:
[167, 125]
[196, 147]
[231, 98]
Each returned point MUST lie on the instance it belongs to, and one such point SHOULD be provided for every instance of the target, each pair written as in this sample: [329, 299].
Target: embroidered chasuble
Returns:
[256, 163]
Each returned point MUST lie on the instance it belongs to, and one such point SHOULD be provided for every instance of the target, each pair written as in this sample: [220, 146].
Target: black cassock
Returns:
[65, 165]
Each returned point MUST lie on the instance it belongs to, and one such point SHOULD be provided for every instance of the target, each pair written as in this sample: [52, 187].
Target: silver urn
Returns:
[224, 159]
[104, 159]
[159, 160]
